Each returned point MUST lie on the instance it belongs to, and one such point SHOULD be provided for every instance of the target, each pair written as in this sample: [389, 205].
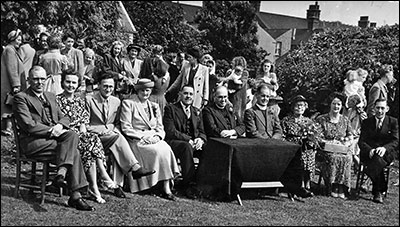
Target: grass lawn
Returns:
[151, 210]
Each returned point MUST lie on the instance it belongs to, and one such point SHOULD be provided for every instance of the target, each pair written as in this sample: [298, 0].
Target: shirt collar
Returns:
[382, 119]
[183, 105]
[261, 107]
[104, 99]
[38, 94]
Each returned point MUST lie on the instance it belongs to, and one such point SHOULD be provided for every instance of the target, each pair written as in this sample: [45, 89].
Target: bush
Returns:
[317, 67]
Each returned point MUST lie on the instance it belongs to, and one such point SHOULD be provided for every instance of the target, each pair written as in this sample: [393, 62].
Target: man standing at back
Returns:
[104, 112]
[378, 142]
[44, 132]
[184, 130]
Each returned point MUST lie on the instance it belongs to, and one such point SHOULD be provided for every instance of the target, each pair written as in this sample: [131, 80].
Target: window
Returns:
[278, 47]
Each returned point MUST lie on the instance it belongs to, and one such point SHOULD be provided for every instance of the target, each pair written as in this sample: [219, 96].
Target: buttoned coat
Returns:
[377, 91]
[29, 113]
[200, 83]
[12, 74]
[371, 137]
[174, 123]
[258, 126]
[132, 72]
[214, 121]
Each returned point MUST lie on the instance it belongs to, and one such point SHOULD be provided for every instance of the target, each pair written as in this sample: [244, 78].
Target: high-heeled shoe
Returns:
[96, 198]
[110, 184]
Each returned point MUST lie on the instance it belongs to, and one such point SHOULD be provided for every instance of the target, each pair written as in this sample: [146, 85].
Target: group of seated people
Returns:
[144, 135]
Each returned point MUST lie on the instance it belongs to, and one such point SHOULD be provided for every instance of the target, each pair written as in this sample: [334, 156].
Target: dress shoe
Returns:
[169, 196]
[59, 182]
[342, 196]
[334, 194]
[80, 204]
[378, 198]
[304, 193]
[119, 193]
[191, 193]
[141, 172]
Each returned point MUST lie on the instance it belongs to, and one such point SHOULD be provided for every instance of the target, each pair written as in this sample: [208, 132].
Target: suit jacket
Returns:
[200, 83]
[258, 126]
[371, 138]
[134, 120]
[111, 66]
[132, 73]
[29, 114]
[214, 121]
[27, 53]
[94, 105]
[378, 90]
[174, 123]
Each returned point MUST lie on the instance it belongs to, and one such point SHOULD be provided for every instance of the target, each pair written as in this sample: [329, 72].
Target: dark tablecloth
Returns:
[226, 163]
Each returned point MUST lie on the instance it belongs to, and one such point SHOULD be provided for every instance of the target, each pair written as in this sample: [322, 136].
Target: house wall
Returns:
[286, 39]
[266, 41]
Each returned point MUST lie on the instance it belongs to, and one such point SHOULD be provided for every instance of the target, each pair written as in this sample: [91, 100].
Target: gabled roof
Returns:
[275, 33]
[301, 35]
[277, 21]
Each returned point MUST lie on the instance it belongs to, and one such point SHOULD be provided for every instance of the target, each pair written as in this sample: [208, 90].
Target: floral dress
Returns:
[89, 146]
[294, 131]
[336, 167]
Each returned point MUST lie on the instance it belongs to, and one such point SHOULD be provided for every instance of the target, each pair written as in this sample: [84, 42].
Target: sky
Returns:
[347, 12]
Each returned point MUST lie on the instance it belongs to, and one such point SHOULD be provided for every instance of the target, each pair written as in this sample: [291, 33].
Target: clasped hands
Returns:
[57, 130]
[197, 143]
[228, 133]
[379, 151]
[145, 140]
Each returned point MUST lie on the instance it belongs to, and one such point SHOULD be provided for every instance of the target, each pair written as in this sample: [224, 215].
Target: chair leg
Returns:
[44, 181]
[18, 179]
[359, 181]
[239, 200]
[33, 173]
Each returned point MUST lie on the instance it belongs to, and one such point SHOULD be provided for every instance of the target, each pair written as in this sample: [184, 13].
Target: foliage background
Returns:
[318, 67]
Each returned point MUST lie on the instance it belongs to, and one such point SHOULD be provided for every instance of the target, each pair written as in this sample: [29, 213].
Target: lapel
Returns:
[198, 72]
[35, 101]
[53, 107]
[260, 115]
[141, 111]
[193, 115]
[220, 117]
[97, 100]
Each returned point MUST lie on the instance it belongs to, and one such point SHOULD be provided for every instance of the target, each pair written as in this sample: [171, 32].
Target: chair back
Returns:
[16, 137]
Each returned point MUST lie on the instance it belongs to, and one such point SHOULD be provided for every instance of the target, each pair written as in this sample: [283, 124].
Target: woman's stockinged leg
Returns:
[93, 187]
[104, 175]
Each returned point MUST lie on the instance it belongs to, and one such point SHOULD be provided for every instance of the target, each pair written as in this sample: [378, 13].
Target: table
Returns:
[228, 163]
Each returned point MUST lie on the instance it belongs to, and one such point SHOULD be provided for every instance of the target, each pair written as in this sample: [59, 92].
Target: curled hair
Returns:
[69, 72]
[351, 75]
[262, 64]
[362, 72]
[54, 41]
[239, 60]
[338, 95]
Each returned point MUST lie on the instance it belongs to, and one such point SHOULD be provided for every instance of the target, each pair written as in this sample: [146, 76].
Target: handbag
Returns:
[9, 100]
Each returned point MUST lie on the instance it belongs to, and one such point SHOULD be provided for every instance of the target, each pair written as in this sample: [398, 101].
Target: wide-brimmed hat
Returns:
[298, 98]
[133, 46]
[144, 83]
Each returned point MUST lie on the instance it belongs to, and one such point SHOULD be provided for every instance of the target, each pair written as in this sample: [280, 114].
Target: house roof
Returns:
[275, 33]
[277, 21]
[301, 35]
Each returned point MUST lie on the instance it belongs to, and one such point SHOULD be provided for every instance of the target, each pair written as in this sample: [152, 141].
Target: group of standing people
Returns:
[147, 113]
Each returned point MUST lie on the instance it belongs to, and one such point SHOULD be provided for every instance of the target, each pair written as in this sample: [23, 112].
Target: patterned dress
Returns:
[292, 131]
[336, 167]
[89, 146]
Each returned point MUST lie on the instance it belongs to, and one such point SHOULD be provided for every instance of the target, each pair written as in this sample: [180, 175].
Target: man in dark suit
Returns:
[44, 132]
[260, 122]
[378, 142]
[184, 130]
[219, 119]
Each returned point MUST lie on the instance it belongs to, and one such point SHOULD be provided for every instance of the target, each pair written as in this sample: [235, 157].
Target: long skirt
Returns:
[158, 157]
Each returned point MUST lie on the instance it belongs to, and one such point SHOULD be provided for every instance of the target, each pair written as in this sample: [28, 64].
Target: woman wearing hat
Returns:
[141, 123]
[132, 66]
[294, 126]
[12, 76]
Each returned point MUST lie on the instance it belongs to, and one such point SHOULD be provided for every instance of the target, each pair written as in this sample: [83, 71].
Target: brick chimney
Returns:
[313, 16]
[372, 25]
[256, 5]
[363, 22]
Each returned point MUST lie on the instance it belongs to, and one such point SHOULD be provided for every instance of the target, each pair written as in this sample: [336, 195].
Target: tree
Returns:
[319, 65]
[231, 27]
[160, 22]
[95, 20]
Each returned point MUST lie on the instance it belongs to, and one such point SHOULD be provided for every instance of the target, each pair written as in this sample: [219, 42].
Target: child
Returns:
[234, 81]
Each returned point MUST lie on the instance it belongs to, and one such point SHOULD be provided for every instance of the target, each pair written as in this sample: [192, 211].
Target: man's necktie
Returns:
[379, 124]
[187, 112]
[105, 110]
